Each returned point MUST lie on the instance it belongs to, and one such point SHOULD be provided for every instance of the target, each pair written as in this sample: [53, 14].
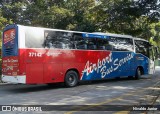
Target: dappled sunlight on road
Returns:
[122, 87]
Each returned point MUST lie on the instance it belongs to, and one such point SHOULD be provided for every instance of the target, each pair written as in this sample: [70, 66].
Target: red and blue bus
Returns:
[34, 55]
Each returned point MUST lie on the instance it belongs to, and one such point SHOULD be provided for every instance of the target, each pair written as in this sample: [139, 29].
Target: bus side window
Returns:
[79, 41]
[64, 43]
[91, 43]
[142, 47]
[48, 42]
[113, 43]
[121, 44]
[58, 40]
[63, 40]
[102, 44]
[49, 39]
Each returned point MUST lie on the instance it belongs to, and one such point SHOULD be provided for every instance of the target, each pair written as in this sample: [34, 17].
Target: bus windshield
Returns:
[142, 47]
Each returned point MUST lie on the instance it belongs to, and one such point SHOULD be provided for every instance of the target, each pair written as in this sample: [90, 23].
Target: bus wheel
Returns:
[71, 78]
[138, 74]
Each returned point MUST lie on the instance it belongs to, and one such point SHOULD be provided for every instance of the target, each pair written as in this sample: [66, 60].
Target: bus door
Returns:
[151, 60]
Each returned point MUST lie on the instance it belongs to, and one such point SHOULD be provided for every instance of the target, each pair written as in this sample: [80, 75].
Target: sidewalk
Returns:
[155, 91]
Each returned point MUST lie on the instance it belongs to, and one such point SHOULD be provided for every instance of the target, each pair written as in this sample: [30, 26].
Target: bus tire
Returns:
[138, 74]
[71, 78]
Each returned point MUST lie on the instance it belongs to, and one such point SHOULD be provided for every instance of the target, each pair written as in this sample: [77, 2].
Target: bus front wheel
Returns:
[71, 78]
[138, 74]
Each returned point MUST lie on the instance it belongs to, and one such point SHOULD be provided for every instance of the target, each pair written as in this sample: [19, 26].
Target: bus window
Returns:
[34, 37]
[84, 43]
[91, 43]
[79, 41]
[57, 39]
[142, 47]
[121, 44]
[103, 44]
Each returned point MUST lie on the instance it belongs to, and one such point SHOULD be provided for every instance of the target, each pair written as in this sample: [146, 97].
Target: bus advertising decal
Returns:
[9, 36]
[10, 66]
[105, 66]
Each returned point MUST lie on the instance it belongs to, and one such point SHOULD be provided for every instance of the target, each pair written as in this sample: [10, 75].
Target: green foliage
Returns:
[129, 17]
[13, 11]
[155, 33]
[82, 18]
[57, 17]
[3, 22]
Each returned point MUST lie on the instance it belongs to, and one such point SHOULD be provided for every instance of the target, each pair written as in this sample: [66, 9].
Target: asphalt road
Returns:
[91, 95]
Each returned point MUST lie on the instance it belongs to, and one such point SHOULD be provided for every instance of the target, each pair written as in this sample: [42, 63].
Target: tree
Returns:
[155, 32]
[133, 17]
[128, 16]
[14, 11]
[64, 14]
[83, 15]
[3, 23]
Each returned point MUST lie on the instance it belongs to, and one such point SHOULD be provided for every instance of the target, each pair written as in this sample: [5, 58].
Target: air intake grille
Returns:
[9, 51]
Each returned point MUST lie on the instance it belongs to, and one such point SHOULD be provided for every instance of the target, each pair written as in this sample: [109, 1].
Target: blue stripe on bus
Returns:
[94, 36]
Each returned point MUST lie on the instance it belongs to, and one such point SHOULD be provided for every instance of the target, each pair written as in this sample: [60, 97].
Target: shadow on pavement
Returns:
[20, 88]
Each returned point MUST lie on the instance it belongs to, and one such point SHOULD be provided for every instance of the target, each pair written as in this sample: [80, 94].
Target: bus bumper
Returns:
[14, 79]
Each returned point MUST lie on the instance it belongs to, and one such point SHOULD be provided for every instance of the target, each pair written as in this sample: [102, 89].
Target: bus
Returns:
[35, 55]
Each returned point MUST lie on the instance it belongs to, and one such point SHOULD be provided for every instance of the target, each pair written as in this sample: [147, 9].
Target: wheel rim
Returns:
[71, 79]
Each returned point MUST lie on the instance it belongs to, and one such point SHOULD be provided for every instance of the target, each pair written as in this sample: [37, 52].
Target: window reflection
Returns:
[121, 44]
[142, 47]
[58, 39]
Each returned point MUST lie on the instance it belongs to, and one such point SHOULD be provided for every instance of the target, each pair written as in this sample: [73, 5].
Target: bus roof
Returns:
[52, 29]
[140, 39]
[85, 34]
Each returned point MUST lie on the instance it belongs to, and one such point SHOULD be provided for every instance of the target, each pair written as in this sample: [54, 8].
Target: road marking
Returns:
[152, 103]
[105, 102]
[122, 112]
